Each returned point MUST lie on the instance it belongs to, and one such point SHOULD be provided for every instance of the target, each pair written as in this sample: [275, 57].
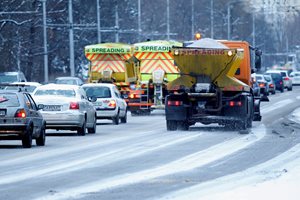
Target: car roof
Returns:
[98, 84]
[58, 86]
[26, 83]
[10, 73]
[273, 71]
[68, 77]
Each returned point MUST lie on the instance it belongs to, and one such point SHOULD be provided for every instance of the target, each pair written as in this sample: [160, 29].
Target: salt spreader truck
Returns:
[108, 64]
[214, 86]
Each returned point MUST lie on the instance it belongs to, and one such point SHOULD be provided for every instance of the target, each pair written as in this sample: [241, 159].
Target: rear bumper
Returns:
[63, 120]
[12, 129]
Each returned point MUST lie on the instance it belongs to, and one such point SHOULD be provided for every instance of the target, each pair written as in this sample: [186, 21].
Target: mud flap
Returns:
[257, 116]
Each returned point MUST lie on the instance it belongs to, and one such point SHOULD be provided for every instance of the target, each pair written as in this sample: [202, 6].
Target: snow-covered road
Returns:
[141, 160]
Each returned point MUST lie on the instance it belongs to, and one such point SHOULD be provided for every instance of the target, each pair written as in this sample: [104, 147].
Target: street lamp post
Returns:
[46, 75]
[71, 39]
[229, 17]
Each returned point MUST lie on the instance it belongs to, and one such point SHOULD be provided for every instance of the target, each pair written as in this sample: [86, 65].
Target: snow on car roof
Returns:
[98, 84]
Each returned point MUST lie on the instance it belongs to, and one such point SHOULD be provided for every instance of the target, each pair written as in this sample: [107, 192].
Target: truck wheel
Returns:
[171, 125]
[182, 125]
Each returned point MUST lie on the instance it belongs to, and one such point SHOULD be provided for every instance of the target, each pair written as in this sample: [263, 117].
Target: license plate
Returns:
[98, 103]
[2, 112]
[52, 108]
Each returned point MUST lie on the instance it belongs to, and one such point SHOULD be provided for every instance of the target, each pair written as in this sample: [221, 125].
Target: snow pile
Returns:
[207, 43]
[295, 116]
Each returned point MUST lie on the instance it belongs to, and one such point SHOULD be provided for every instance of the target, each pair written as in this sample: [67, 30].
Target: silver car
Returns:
[66, 107]
[20, 118]
[109, 102]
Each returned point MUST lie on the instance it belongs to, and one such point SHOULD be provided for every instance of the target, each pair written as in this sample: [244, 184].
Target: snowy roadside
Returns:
[276, 179]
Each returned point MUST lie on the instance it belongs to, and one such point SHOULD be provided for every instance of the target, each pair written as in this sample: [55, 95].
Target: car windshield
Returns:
[27, 88]
[296, 74]
[9, 100]
[6, 78]
[56, 92]
[283, 73]
[66, 81]
[259, 78]
[276, 77]
[268, 78]
[99, 92]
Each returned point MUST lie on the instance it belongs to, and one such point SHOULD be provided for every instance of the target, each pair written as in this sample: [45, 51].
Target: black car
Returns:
[278, 79]
[20, 118]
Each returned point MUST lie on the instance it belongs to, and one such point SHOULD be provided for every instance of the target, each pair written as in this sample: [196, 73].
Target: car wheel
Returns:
[27, 138]
[290, 88]
[40, 141]
[81, 130]
[273, 92]
[282, 90]
[124, 119]
[93, 129]
[116, 119]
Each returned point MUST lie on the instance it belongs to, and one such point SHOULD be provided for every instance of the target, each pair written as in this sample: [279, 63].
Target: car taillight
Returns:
[112, 103]
[74, 106]
[286, 78]
[20, 113]
[235, 103]
[175, 103]
[271, 85]
[261, 85]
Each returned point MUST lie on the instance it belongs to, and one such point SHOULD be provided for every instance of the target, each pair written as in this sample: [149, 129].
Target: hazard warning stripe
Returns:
[157, 64]
[116, 66]
[115, 62]
[152, 61]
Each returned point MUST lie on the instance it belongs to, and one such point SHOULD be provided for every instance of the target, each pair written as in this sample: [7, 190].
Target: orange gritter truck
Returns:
[214, 86]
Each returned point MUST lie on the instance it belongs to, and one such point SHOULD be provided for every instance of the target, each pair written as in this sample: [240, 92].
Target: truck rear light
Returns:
[134, 96]
[21, 113]
[74, 106]
[175, 103]
[112, 103]
[235, 103]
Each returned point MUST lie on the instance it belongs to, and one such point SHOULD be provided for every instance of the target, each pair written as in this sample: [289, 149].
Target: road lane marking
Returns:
[276, 105]
[105, 158]
[186, 163]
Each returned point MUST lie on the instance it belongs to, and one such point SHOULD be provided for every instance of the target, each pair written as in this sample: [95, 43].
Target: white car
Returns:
[296, 78]
[109, 103]
[66, 107]
[24, 86]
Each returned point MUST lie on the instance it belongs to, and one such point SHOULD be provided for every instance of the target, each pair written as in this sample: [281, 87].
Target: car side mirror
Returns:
[40, 106]
[92, 99]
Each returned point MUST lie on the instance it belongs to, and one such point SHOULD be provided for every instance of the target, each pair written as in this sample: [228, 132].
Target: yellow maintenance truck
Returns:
[214, 86]
[108, 64]
[155, 69]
